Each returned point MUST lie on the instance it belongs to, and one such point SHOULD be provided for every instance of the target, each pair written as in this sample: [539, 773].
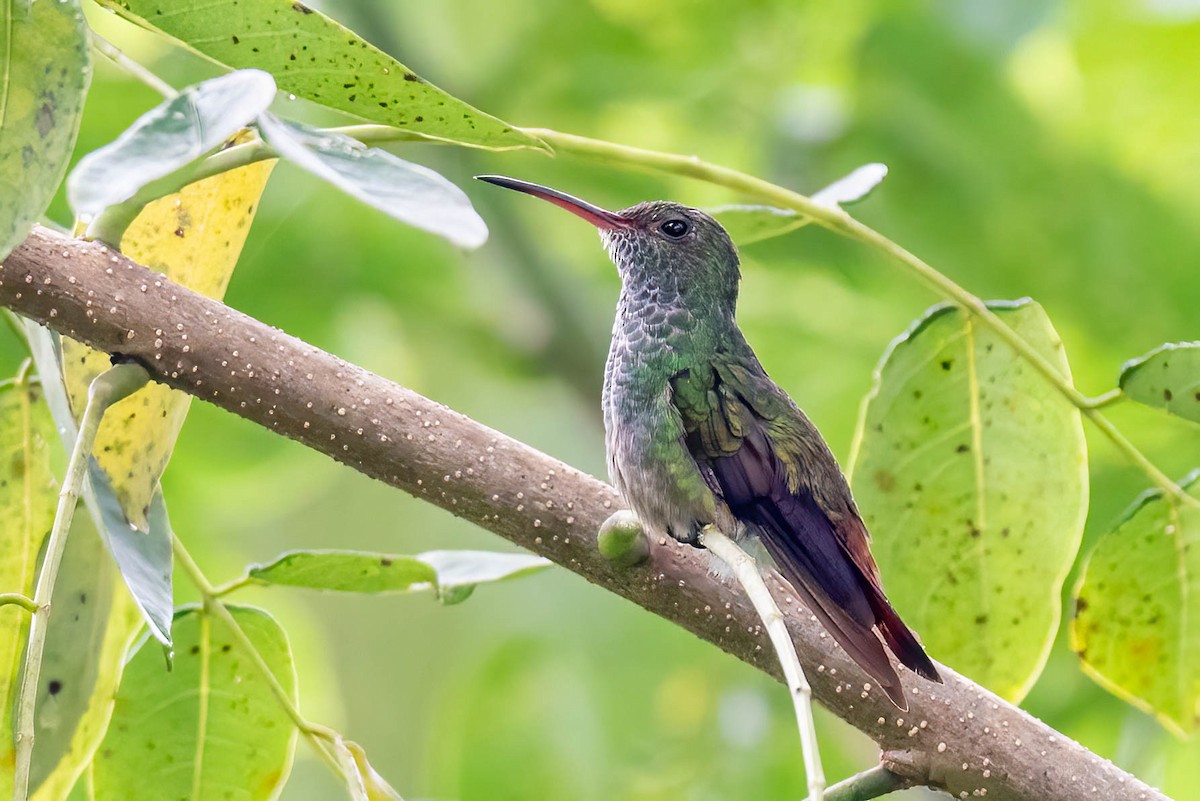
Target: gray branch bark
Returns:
[958, 737]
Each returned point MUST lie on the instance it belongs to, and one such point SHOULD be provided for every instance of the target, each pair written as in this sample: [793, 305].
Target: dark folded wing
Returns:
[772, 469]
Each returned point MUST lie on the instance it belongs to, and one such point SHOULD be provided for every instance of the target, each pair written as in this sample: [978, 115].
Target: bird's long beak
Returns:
[601, 218]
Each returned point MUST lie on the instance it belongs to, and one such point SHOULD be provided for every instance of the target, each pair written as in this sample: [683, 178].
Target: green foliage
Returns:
[408, 192]
[1137, 615]
[171, 135]
[971, 473]
[44, 73]
[314, 57]
[452, 574]
[207, 726]
[1167, 377]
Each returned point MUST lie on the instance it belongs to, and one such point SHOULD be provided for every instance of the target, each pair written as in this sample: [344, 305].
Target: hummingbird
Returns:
[697, 434]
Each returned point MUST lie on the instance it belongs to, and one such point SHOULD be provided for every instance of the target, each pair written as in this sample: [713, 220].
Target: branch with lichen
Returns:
[958, 737]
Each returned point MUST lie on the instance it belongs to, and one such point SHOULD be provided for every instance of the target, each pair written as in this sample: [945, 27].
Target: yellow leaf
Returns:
[194, 237]
[1136, 626]
[28, 495]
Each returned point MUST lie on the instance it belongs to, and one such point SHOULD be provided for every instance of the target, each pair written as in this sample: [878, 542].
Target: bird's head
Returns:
[657, 243]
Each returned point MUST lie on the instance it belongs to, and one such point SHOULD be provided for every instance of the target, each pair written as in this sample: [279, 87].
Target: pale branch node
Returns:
[749, 575]
[976, 744]
[622, 540]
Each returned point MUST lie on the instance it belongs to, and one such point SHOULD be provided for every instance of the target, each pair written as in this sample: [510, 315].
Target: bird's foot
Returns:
[688, 536]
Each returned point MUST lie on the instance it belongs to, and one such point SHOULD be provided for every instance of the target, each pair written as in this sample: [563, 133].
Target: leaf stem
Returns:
[321, 737]
[221, 590]
[17, 599]
[838, 221]
[748, 575]
[137, 70]
[105, 390]
[1107, 399]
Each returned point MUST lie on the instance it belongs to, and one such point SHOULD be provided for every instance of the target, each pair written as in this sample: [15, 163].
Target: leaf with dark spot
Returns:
[274, 26]
[976, 554]
[212, 723]
[45, 70]
[28, 496]
[1137, 615]
[1168, 378]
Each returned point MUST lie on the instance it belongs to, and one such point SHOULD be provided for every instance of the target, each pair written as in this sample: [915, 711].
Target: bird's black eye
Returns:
[676, 229]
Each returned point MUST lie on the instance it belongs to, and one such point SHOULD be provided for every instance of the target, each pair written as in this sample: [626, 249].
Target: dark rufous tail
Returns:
[826, 559]
[859, 642]
[903, 642]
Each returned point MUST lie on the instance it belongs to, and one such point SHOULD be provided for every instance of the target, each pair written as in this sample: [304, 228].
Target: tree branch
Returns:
[965, 739]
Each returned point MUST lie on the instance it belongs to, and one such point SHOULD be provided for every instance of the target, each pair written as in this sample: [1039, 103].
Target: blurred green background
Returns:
[1049, 149]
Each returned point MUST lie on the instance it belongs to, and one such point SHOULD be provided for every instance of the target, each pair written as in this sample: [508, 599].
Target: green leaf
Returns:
[207, 728]
[749, 224]
[971, 472]
[409, 192]
[44, 74]
[167, 137]
[314, 57]
[346, 571]
[453, 574]
[1137, 612]
[1167, 377]
[28, 498]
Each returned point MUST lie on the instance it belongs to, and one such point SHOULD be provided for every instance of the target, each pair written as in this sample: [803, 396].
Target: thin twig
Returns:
[105, 390]
[221, 590]
[137, 70]
[748, 575]
[867, 785]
